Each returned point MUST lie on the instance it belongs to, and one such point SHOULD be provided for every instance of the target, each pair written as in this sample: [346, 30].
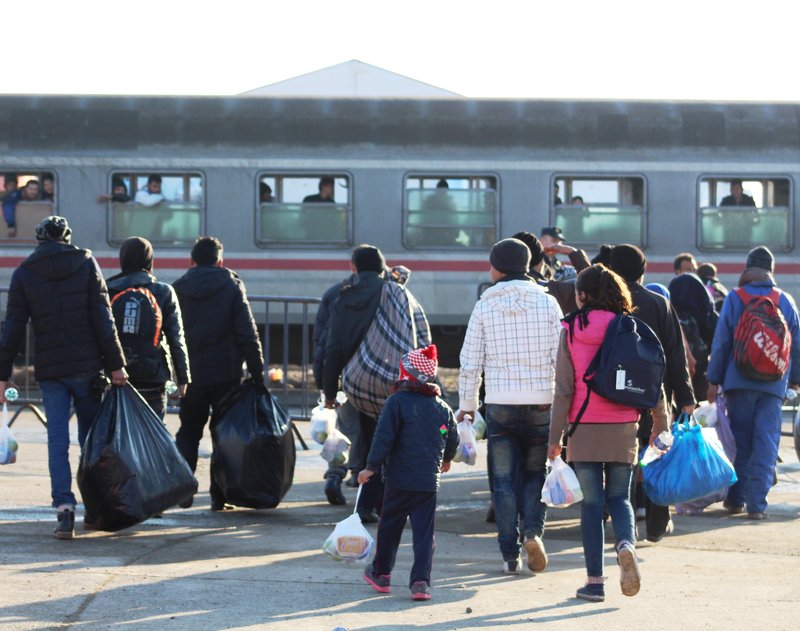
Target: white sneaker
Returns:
[537, 557]
[512, 567]
[629, 576]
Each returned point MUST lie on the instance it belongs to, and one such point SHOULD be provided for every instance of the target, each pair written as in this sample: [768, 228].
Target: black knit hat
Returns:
[368, 258]
[761, 257]
[510, 256]
[628, 261]
[53, 228]
[534, 245]
[135, 254]
[603, 255]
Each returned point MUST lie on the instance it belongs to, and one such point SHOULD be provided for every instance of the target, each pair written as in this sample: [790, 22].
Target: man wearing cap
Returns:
[61, 290]
[512, 338]
[754, 406]
[552, 240]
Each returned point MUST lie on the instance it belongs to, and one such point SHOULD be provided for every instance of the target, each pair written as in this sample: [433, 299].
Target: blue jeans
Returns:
[518, 437]
[756, 424]
[615, 494]
[59, 396]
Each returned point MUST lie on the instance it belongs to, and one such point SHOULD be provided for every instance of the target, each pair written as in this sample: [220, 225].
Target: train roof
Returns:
[78, 124]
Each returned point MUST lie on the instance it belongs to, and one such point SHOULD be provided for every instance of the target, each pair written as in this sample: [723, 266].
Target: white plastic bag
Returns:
[478, 423]
[323, 422]
[561, 487]
[706, 414]
[349, 541]
[466, 452]
[336, 448]
[8, 444]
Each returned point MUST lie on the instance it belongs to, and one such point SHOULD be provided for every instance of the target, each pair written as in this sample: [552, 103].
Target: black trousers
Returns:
[398, 506]
[372, 492]
[657, 516]
[194, 414]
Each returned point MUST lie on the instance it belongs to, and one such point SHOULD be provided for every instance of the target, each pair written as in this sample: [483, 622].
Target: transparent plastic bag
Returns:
[350, 541]
[706, 414]
[323, 422]
[561, 487]
[466, 452]
[336, 448]
[8, 444]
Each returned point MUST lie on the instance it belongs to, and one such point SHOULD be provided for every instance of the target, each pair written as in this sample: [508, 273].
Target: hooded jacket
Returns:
[61, 290]
[512, 337]
[172, 344]
[219, 326]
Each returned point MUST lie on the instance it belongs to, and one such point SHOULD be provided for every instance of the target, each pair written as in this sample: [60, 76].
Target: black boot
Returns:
[333, 490]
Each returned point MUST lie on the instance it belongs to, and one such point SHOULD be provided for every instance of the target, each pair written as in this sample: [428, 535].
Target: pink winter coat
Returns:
[583, 346]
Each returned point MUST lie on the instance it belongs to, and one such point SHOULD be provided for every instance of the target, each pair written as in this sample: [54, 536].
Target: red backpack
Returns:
[761, 341]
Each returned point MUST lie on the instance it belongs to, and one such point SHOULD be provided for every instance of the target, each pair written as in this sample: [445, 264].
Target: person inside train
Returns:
[325, 192]
[439, 199]
[683, 263]
[152, 195]
[11, 196]
[577, 200]
[556, 199]
[119, 193]
[31, 192]
[265, 193]
[737, 196]
[48, 188]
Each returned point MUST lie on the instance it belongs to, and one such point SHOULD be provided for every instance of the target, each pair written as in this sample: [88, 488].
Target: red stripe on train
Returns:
[340, 265]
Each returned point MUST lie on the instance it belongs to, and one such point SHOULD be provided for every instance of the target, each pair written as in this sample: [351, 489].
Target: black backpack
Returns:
[628, 368]
[138, 320]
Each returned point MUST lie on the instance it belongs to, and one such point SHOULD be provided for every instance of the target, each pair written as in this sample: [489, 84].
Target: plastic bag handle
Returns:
[5, 415]
[358, 494]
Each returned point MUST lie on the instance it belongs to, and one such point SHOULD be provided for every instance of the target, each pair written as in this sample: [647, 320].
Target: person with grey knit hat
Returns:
[753, 400]
[512, 339]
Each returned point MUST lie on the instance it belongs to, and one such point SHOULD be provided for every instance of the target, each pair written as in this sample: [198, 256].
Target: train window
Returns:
[739, 214]
[166, 208]
[451, 211]
[28, 197]
[597, 210]
[304, 209]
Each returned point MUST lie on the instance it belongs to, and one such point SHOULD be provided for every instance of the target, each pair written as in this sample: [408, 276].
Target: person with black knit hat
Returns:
[61, 290]
[512, 339]
[416, 438]
[148, 360]
[754, 366]
[656, 311]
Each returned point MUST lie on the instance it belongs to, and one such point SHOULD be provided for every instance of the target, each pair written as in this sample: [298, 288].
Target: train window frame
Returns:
[160, 242]
[26, 239]
[447, 175]
[727, 177]
[602, 175]
[304, 244]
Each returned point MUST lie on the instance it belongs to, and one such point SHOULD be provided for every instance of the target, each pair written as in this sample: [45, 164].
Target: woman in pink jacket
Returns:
[603, 449]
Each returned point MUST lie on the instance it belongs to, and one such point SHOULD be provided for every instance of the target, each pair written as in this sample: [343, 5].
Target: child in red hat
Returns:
[415, 440]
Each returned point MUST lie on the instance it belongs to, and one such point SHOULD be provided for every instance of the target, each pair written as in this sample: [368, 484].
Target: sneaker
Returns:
[221, 506]
[629, 577]
[537, 557]
[511, 567]
[380, 583]
[757, 516]
[333, 490]
[420, 591]
[66, 524]
[733, 509]
[593, 592]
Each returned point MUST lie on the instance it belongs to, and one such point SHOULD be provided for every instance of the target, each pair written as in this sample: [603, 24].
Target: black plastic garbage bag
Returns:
[130, 468]
[254, 453]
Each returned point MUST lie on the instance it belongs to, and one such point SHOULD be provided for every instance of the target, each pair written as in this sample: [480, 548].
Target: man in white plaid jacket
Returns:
[512, 338]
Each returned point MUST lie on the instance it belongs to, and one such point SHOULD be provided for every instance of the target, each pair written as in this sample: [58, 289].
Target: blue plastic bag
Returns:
[691, 469]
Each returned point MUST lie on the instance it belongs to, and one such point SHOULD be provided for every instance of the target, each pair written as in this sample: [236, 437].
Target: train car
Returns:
[433, 183]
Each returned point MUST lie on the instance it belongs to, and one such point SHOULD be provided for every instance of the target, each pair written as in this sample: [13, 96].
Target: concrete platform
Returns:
[249, 569]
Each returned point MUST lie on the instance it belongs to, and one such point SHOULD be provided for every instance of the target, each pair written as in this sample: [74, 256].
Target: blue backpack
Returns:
[628, 368]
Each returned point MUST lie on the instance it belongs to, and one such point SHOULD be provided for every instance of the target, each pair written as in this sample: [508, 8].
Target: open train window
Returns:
[28, 197]
[165, 208]
[450, 211]
[740, 212]
[304, 209]
[591, 210]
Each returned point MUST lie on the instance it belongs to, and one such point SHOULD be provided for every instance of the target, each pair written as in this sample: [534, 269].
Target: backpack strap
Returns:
[587, 376]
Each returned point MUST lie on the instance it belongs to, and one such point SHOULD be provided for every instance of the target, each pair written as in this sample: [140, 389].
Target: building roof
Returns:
[352, 79]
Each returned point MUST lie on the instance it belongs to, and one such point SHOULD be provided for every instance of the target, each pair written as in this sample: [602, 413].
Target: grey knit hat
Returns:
[510, 256]
[761, 257]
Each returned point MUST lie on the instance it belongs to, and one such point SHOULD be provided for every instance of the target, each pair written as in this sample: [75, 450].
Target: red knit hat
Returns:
[420, 364]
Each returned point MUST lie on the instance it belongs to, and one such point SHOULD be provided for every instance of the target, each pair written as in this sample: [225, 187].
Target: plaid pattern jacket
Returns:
[399, 326]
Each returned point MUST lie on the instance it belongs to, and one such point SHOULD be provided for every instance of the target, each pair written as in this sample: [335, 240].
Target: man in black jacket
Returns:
[61, 290]
[152, 371]
[220, 332]
[656, 312]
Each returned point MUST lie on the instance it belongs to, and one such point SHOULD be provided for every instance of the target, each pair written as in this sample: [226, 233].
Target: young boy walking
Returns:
[416, 438]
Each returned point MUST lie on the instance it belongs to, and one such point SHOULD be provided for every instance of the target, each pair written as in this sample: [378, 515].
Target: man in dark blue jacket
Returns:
[220, 333]
[61, 290]
[754, 406]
